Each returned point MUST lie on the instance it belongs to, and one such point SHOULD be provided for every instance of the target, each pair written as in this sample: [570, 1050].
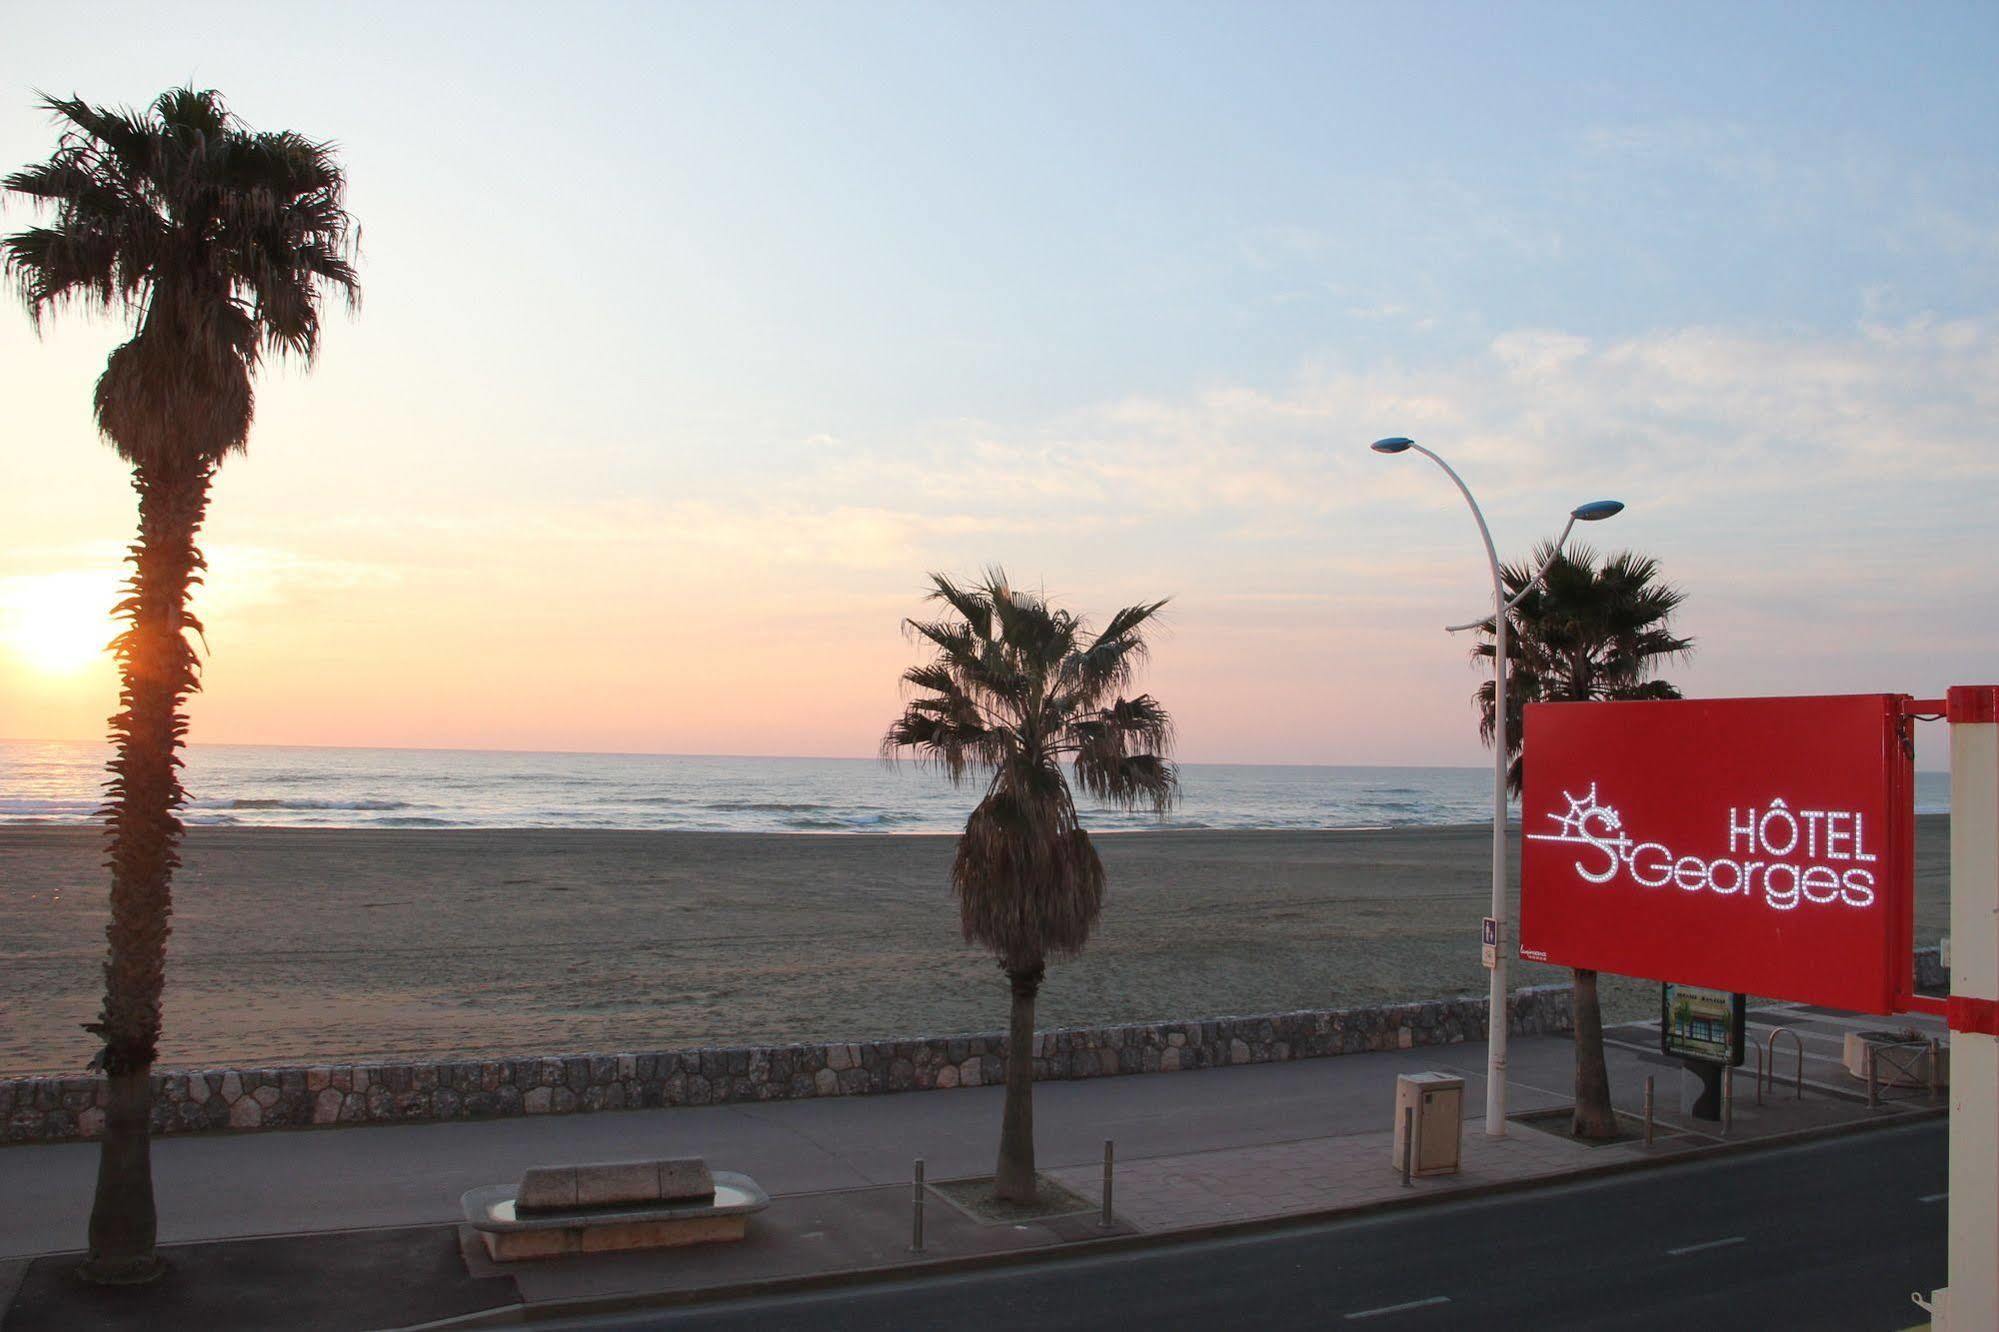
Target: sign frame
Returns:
[1733, 844]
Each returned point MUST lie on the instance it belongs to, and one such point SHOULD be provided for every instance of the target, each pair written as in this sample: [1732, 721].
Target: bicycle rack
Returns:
[1771, 1043]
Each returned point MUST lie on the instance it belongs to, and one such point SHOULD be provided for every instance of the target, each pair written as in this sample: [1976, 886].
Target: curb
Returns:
[528, 1315]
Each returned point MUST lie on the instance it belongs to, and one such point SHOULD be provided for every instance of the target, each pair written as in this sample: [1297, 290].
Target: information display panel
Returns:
[1699, 1023]
[1761, 845]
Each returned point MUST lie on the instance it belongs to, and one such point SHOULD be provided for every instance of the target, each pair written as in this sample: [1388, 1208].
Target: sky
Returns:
[695, 335]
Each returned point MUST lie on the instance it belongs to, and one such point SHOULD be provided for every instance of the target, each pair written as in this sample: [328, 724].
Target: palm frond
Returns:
[1016, 685]
[220, 243]
[1594, 629]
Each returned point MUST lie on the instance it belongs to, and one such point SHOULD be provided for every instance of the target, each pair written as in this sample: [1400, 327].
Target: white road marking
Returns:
[1710, 1244]
[1934, 1197]
[1399, 1308]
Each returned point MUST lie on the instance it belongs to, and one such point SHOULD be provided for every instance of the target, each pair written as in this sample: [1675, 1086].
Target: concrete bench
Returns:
[612, 1205]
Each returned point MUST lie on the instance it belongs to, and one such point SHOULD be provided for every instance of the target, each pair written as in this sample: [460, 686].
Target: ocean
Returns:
[284, 786]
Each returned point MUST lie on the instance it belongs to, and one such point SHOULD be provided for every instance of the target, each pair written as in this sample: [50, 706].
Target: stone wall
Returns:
[59, 1109]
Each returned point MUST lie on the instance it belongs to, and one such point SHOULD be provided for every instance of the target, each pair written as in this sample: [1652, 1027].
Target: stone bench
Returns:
[612, 1205]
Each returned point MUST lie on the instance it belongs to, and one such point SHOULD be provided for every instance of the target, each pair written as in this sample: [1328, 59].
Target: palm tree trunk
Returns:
[1014, 1179]
[1594, 1117]
[158, 669]
[123, 1223]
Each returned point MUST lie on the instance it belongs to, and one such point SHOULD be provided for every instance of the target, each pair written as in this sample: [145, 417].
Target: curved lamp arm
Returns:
[1485, 533]
[1532, 583]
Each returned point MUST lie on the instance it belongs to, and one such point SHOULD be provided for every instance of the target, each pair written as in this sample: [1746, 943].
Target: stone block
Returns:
[326, 1106]
[685, 1178]
[512, 1246]
[609, 1183]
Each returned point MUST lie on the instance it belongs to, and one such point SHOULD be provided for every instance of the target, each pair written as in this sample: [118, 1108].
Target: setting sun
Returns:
[57, 623]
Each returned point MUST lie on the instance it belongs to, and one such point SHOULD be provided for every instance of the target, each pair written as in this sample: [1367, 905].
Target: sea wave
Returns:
[250, 786]
[47, 809]
[281, 802]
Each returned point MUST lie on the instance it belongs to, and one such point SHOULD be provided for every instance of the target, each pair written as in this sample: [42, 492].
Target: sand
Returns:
[307, 945]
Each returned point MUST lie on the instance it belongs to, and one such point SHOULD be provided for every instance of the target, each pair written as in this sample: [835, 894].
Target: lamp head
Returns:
[1394, 444]
[1597, 510]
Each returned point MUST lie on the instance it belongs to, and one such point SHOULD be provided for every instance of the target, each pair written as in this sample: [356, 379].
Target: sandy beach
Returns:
[295, 945]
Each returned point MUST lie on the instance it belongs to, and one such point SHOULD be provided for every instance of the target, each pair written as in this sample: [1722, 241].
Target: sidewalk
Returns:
[1194, 1151]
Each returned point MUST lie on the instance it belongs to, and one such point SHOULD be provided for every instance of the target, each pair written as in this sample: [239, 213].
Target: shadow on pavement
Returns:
[336, 1282]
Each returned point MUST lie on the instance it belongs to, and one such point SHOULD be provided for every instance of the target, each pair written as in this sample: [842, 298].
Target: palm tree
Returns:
[1589, 632]
[217, 243]
[1017, 688]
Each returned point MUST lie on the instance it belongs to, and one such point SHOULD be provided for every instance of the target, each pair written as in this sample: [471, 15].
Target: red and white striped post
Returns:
[1971, 1300]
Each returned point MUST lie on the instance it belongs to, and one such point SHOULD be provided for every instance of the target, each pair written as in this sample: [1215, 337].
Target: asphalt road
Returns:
[1828, 1235]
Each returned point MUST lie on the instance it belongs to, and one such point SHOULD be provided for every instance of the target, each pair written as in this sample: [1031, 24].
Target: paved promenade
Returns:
[368, 1214]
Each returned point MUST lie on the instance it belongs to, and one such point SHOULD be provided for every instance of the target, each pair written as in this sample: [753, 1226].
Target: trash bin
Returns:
[1437, 1100]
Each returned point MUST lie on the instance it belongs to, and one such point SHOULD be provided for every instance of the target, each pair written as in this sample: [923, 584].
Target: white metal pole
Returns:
[1496, 1014]
[1972, 1298]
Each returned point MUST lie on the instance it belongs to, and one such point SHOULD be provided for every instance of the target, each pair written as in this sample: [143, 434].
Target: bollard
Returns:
[1727, 1097]
[1648, 1112]
[1936, 1080]
[916, 1211]
[1759, 1071]
[1106, 1223]
[1873, 1092]
[1408, 1145]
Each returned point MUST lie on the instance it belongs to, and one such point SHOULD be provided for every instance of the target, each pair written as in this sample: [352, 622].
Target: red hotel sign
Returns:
[1756, 844]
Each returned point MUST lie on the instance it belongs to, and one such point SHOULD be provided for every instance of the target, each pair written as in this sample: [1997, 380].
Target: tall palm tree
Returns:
[1591, 631]
[1016, 689]
[217, 243]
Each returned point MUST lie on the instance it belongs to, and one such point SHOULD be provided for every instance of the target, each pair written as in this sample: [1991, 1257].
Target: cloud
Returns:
[1683, 413]
[245, 577]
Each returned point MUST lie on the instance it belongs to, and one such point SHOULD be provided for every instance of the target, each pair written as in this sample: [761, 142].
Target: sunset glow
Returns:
[56, 624]
[661, 465]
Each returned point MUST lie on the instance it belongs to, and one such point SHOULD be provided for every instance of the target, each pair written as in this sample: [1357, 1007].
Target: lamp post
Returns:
[1496, 1015]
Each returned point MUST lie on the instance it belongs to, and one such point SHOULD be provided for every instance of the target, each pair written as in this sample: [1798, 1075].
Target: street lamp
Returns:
[1495, 1026]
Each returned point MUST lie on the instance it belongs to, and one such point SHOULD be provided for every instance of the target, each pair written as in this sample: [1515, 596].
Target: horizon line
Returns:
[659, 753]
